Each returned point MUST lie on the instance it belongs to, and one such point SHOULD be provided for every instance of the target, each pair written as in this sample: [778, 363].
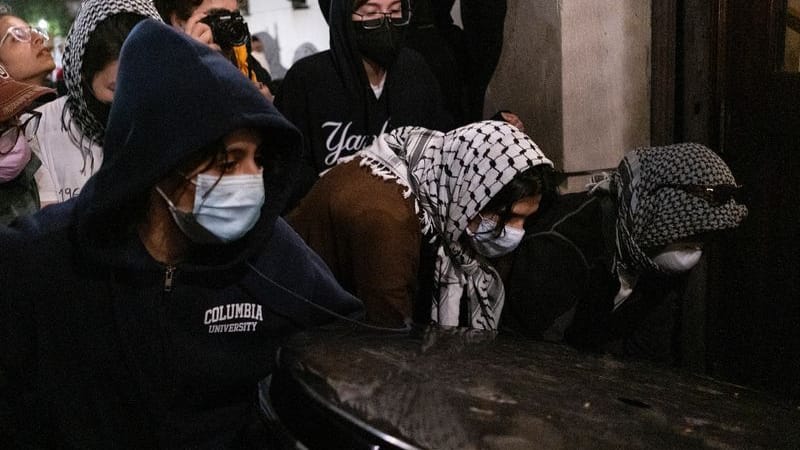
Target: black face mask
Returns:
[381, 45]
[98, 109]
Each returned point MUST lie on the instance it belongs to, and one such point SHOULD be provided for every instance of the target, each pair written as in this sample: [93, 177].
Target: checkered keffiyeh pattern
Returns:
[92, 13]
[452, 177]
[650, 215]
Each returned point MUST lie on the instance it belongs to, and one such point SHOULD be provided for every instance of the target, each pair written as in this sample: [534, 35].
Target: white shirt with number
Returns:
[64, 171]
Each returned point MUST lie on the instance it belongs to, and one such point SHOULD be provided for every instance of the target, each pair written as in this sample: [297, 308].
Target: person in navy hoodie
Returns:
[143, 313]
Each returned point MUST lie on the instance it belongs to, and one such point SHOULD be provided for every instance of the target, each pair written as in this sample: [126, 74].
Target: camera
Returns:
[229, 28]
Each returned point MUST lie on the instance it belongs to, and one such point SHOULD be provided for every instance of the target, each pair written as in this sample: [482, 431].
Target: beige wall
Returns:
[578, 74]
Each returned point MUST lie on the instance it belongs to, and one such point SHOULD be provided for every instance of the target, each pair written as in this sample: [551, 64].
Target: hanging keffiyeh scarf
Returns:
[666, 194]
[92, 13]
[452, 177]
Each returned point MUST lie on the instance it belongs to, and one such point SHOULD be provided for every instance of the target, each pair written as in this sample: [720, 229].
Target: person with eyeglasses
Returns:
[604, 270]
[23, 52]
[368, 83]
[19, 195]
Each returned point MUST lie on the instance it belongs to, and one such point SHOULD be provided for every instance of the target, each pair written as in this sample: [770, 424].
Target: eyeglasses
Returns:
[24, 34]
[375, 20]
[9, 136]
[716, 194]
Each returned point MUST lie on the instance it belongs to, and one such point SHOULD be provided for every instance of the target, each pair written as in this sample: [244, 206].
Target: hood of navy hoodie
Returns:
[173, 97]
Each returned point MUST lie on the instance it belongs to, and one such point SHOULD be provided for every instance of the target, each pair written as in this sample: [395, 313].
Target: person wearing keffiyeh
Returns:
[410, 220]
[602, 269]
[70, 135]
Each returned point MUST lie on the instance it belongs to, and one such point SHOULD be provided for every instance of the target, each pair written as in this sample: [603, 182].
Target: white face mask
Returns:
[490, 245]
[677, 259]
[223, 212]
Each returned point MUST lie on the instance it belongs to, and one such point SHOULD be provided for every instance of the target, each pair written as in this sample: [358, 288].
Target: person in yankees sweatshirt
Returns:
[365, 85]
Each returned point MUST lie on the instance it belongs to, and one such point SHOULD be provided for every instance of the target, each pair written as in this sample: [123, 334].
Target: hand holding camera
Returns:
[226, 32]
[200, 31]
[229, 28]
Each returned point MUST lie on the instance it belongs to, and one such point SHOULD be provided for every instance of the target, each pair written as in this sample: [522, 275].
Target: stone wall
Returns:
[578, 74]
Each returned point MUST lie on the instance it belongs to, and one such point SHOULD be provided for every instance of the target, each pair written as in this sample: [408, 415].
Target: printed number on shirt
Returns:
[68, 193]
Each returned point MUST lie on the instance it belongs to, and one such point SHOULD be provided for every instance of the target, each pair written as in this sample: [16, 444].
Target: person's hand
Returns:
[513, 119]
[264, 89]
[199, 30]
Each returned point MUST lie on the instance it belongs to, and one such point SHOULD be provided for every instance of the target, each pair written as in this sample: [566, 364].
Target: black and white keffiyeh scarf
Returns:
[451, 178]
[655, 206]
[92, 13]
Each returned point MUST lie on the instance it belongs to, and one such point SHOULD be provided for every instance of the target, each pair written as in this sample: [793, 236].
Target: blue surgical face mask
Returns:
[489, 244]
[223, 211]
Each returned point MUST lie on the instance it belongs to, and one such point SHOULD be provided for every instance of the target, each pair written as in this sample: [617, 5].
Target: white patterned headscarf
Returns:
[451, 178]
[667, 194]
[92, 13]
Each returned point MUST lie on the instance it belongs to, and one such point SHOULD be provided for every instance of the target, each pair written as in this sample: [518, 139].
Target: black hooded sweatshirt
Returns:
[329, 98]
[103, 347]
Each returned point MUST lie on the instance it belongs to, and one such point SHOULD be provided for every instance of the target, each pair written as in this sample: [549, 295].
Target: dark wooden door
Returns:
[754, 320]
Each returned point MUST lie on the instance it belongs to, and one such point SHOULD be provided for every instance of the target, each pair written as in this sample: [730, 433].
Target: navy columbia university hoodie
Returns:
[103, 347]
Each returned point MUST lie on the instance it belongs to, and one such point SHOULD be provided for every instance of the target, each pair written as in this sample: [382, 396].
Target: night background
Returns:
[57, 13]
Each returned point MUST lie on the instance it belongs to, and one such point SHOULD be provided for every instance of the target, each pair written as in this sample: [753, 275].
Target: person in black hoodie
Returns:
[143, 313]
[604, 270]
[463, 60]
[366, 84]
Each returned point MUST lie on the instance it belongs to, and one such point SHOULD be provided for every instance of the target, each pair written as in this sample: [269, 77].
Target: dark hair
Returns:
[405, 4]
[270, 159]
[499, 115]
[541, 179]
[183, 9]
[105, 43]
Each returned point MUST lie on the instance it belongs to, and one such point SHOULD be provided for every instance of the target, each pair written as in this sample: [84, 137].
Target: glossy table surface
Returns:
[465, 389]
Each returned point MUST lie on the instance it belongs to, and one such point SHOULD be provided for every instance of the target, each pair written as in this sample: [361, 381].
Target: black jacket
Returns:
[101, 346]
[562, 286]
[328, 97]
